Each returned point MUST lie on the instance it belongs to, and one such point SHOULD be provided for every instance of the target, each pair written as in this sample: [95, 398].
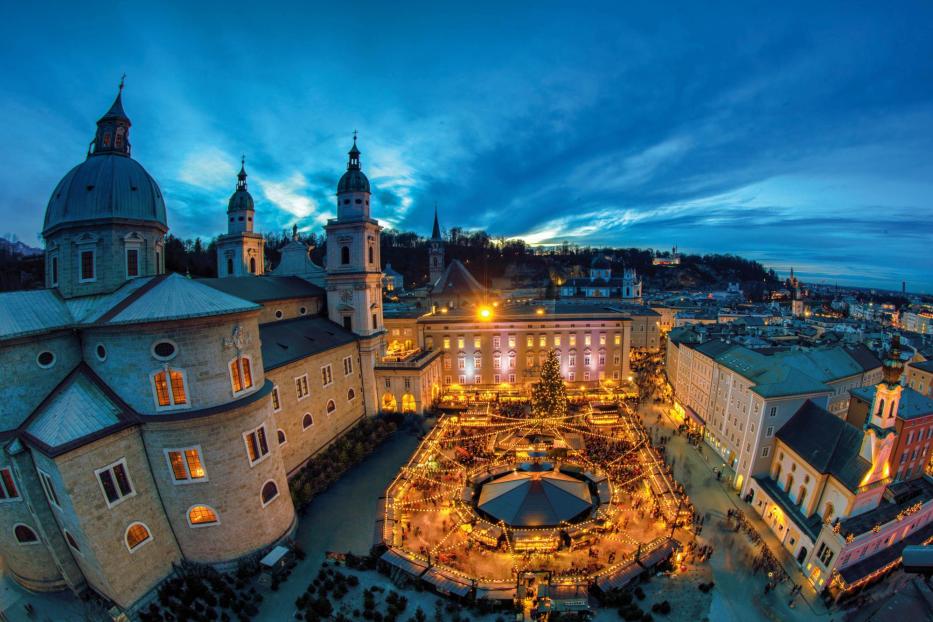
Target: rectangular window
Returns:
[477, 362]
[530, 360]
[602, 339]
[616, 359]
[461, 362]
[542, 341]
[186, 465]
[347, 366]
[446, 379]
[301, 386]
[587, 340]
[601, 360]
[529, 341]
[587, 360]
[7, 485]
[497, 361]
[49, 488]
[241, 375]
[770, 431]
[132, 262]
[511, 341]
[765, 451]
[87, 266]
[556, 341]
[573, 340]
[327, 376]
[447, 362]
[460, 342]
[773, 411]
[54, 270]
[586, 376]
[496, 378]
[169, 387]
[478, 342]
[512, 378]
[462, 380]
[257, 446]
[115, 483]
[617, 339]
[447, 343]
[276, 404]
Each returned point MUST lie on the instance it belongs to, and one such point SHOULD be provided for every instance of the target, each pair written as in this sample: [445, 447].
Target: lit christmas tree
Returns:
[549, 396]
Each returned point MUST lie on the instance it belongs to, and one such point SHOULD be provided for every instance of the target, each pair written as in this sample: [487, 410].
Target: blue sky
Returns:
[798, 135]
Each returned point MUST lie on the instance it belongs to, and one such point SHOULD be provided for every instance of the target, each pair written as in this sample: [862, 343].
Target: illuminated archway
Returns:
[389, 404]
[408, 403]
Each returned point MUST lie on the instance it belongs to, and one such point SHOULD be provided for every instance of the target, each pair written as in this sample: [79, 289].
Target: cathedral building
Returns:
[601, 284]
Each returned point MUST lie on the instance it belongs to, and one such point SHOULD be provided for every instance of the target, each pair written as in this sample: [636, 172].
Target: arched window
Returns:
[229, 265]
[344, 255]
[828, 511]
[372, 255]
[389, 404]
[881, 408]
[307, 421]
[281, 436]
[269, 492]
[252, 265]
[351, 395]
[137, 534]
[331, 406]
[202, 516]
[801, 495]
[170, 388]
[25, 535]
[790, 484]
[777, 473]
[70, 539]
[408, 403]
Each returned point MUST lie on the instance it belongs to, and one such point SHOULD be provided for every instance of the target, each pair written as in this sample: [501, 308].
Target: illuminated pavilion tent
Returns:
[535, 498]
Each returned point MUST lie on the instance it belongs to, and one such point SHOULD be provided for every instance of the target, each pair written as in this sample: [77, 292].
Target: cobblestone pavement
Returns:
[739, 593]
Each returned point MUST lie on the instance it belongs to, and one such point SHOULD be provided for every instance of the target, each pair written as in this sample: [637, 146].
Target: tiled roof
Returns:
[77, 408]
[175, 297]
[810, 525]
[265, 288]
[897, 497]
[863, 357]
[457, 280]
[911, 406]
[827, 443]
[290, 340]
[923, 365]
[30, 312]
[88, 309]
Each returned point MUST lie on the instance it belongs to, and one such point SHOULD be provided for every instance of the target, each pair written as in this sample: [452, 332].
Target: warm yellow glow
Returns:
[539, 311]
[485, 313]
[443, 309]
[886, 471]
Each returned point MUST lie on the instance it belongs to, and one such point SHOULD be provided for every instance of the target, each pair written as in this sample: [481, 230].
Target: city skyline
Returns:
[796, 141]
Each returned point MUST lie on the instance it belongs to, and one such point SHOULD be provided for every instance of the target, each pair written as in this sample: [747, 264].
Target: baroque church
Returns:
[154, 418]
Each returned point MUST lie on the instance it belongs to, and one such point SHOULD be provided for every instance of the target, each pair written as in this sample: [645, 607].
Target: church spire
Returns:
[354, 162]
[113, 129]
[436, 233]
[241, 176]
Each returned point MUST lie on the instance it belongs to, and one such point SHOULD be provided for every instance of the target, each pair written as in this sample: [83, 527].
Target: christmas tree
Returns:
[549, 397]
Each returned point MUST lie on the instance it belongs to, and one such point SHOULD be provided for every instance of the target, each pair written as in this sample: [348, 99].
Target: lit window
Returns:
[572, 340]
[529, 341]
[137, 534]
[115, 483]
[587, 340]
[301, 386]
[25, 535]
[257, 447]
[511, 341]
[460, 342]
[169, 385]
[186, 465]
[617, 339]
[477, 342]
[447, 343]
[7, 485]
[269, 492]
[556, 341]
[49, 488]
[276, 404]
[331, 406]
[307, 421]
[602, 339]
[202, 516]
[327, 375]
[241, 374]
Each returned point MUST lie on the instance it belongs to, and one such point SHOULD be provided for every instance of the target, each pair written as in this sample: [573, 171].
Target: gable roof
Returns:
[827, 443]
[265, 288]
[76, 412]
[31, 312]
[456, 279]
[290, 340]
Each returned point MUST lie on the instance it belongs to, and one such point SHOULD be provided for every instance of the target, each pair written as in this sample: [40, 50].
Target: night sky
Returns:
[796, 135]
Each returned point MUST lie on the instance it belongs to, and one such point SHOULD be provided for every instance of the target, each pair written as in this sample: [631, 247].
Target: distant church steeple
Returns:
[241, 251]
[435, 252]
[113, 129]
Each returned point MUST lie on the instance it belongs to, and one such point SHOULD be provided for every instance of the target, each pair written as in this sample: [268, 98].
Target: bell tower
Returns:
[435, 252]
[241, 251]
[354, 270]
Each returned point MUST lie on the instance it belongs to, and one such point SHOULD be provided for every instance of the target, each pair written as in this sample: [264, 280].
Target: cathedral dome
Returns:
[105, 187]
[109, 185]
[893, 367]
[353, 180]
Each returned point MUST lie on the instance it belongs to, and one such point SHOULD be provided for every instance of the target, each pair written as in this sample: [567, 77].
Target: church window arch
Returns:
[344, 255]
[252, 265]
[881, 408]
[229, 265]
[372, 254]
[269, 493]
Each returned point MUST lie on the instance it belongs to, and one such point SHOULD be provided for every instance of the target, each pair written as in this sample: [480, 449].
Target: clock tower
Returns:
[354, 269]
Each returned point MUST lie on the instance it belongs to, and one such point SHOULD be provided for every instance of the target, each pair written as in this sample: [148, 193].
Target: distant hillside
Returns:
[15, 248]
[20, 265]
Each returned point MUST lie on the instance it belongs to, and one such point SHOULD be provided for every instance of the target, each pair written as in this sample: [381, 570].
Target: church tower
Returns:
[240, 250]
[880, 431]
[354, 270]
[435, 252]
